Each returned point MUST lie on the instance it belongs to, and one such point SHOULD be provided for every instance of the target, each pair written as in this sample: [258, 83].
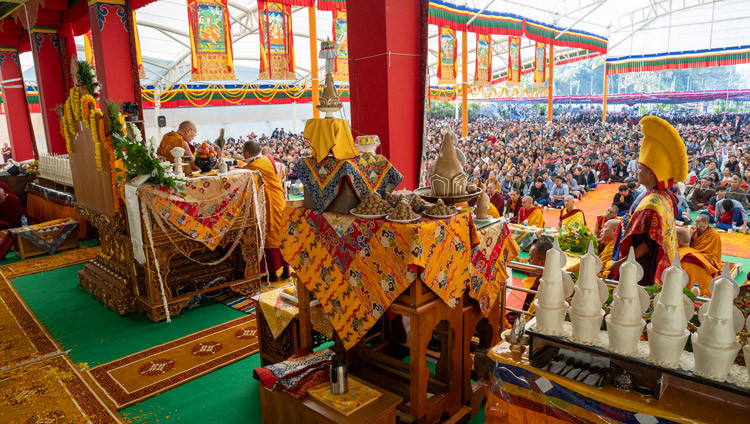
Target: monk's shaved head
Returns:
[609, 230]
[251, 148]
[184, 125]
[527, 202]
[683, 237]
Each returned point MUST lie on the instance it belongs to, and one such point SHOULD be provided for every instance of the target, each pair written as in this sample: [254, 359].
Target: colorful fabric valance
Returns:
[546, 33]
[331, 4]
[455, 17]
[679, 60]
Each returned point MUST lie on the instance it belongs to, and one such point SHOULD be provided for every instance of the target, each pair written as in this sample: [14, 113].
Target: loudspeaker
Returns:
[161, 121]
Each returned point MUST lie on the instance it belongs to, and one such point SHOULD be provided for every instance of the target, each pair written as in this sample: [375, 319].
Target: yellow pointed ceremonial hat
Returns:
[663, 151]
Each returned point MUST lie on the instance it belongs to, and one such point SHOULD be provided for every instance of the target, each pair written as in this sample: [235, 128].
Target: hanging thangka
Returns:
[342, 46]
[540, 64]
[447, 70]
[276, 42]
[514, 61]
[483, 70]
[210, 40]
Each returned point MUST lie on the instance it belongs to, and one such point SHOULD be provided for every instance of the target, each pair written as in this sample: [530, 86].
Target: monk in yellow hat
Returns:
[185, 133]
[706, 240]
[275, 204]
[530, 213]
[651, 230]
[698, 267]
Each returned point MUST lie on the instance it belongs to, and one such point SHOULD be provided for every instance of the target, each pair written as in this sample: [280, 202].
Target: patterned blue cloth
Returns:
[365, 174]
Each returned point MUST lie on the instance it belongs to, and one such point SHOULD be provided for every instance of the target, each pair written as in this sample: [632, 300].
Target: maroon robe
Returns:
[11, 210]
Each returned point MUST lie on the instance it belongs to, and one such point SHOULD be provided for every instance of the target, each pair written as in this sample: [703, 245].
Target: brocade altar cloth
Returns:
[358, 267]
[279, 312]
[489, 260]
[207, 208]
[366, 174]
[47, 236]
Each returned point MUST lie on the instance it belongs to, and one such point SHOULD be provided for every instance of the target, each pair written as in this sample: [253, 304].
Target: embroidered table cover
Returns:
[489, 260]
[366, 174]
[358, 267]
[279, 312]
[207, 208]
[48, 236]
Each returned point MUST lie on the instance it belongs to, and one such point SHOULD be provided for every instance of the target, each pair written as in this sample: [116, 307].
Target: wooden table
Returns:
[278, 407]
[26, 249]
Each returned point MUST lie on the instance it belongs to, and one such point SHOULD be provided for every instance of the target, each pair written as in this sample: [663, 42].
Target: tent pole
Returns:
[550, 85]
[604, 96]
[464, 88]
[313, 35]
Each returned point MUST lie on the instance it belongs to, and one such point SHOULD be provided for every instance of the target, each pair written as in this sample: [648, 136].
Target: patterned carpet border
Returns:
[48, 263]
[49, 355]
[122, 397]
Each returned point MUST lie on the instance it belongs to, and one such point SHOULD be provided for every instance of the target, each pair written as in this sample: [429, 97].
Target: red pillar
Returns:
[15, 104]
[388, 90]
[50, 77]
[110, 38]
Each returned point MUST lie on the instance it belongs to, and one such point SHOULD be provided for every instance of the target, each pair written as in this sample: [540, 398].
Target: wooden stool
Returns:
[278, 407]
[412, 381]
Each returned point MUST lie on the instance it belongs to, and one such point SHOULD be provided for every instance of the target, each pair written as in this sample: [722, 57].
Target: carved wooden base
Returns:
[111, 288]
[156, 312]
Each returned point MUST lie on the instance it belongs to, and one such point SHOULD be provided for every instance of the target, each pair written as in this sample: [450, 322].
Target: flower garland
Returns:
[69, 126]
[75, 102]
[88, 103]
[97, 135]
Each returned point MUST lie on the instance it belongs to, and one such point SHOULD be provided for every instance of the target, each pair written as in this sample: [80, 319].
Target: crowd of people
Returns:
[549, 161]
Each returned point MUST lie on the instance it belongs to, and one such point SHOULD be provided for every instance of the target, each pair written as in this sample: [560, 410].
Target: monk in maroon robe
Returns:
[11, 211]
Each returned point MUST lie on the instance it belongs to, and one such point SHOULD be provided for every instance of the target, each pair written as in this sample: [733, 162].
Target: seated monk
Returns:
[185, 133]
[706, 240]
[530, 213]
[11, 212]
[275, 204]
[513, 206]
[569, 215]
[698, 268]
[611, 213]
[537, 256]
[606, 247]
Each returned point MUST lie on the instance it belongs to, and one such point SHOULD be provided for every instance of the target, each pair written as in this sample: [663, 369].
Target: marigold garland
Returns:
[102, 136]
[88, 103]
[75, 99]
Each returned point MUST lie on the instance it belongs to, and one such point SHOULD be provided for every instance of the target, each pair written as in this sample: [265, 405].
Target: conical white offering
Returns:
[625, 321]
[715, 345]
[667, 331]
[586, 311]
[555, 286]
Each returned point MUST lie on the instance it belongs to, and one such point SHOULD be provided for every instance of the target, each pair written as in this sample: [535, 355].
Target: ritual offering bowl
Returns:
[206, 164]
[427, 194]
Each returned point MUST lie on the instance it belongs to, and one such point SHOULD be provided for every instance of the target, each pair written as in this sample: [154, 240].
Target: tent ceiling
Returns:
[634, 27]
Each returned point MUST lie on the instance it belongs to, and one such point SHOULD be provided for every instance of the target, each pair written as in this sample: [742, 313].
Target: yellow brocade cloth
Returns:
[170, 140]
[358, 267]
[356, 396]
[275, 199]
[522, 394]
[330, 134]
[279, 312]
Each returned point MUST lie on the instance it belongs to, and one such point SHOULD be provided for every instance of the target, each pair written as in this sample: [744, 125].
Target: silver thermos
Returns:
[339, 383]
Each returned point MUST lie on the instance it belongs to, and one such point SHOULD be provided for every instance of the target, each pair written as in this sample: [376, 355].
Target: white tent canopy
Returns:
[634, 27]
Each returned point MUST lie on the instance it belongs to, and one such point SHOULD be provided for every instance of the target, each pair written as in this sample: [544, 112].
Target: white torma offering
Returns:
[667, 331]
[586, 311]
[555, 286]
[715, 345]
[625, 322]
